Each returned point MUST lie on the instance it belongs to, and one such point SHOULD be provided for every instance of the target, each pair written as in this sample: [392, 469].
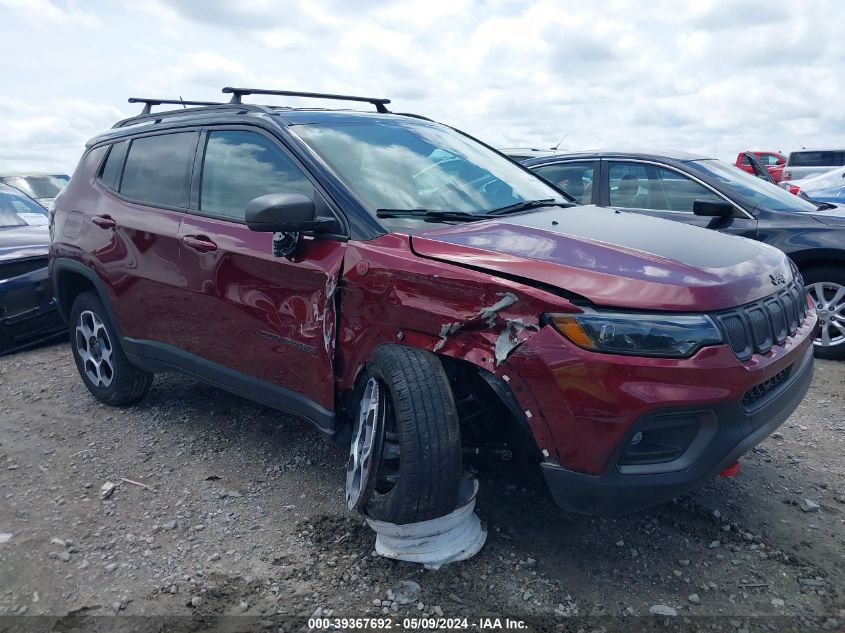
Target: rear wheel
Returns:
[99, 358]
[826, 286]
[405, 457]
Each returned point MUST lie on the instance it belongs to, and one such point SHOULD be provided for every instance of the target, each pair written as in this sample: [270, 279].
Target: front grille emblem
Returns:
[778, 279]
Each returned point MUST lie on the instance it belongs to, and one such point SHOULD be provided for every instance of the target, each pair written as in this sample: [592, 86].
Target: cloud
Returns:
[715, 77]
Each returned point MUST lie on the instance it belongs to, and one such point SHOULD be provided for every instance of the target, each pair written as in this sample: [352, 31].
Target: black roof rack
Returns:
[149, 103]
[237, 93]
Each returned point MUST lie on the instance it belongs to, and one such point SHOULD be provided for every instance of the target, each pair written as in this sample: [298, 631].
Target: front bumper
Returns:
[731, 431]
[28, 313]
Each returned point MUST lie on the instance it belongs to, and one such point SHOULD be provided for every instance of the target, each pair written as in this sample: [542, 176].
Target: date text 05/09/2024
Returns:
[423, 623]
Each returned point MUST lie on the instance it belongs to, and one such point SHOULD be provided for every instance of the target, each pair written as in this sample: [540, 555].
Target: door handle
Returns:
[104, 221]
[199, 243]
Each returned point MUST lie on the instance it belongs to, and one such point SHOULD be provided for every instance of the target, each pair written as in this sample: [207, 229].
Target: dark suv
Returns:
[412, 291]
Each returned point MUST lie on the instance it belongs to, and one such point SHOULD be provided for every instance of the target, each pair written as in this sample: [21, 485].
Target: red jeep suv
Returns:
[415, 293]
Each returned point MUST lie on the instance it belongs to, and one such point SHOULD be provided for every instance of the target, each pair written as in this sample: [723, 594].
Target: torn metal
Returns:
[488, 315]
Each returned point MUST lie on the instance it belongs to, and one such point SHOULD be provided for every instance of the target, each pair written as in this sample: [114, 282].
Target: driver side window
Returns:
[239, 166]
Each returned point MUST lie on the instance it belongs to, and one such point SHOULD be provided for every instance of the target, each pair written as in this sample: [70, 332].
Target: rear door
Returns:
[665, 192]
[132, 229]
[267, 322]
[576, 177]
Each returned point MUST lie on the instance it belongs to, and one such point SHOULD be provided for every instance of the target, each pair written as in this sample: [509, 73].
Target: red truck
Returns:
[773, 161]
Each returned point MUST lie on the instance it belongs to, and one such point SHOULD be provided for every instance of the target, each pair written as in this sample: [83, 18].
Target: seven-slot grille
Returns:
[755, 327]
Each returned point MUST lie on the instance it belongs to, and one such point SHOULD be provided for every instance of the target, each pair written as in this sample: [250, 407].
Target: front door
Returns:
[668, 193]
[263, 323]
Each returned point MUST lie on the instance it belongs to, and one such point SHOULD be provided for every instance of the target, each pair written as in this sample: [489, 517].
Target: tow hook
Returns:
[731, 470]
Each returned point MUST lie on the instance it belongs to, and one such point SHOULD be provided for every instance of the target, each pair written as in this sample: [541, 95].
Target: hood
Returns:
[615, 259]
[19, 242]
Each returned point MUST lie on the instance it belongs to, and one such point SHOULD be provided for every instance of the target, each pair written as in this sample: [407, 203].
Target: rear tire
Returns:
[826, 285]
[415, 465]
[103, 366]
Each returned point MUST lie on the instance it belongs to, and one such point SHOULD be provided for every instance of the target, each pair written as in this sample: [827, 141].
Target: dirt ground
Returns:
[242, 513]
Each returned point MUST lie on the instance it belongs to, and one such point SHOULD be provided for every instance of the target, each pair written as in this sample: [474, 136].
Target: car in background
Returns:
[828, 188]
[709, 193]
[28, 312]
[42, 187]
[773, 162]
[811, 162]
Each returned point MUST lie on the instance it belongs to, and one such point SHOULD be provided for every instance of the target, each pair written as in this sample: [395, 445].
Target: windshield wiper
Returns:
[525, 205]
[431, 215]
[824, 206]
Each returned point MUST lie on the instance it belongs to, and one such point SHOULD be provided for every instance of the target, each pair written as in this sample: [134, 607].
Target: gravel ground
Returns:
[241, 512]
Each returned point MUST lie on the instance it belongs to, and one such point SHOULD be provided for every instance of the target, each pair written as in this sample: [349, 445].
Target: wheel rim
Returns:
[829, 299]
[368, 432]
[95, 349]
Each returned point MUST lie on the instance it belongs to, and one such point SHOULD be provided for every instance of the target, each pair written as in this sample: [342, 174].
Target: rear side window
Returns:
[240, 166]
[158, 169]
[110, 173]
[817, 159]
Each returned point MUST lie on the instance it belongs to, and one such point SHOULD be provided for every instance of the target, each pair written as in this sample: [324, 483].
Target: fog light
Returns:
[638, 437]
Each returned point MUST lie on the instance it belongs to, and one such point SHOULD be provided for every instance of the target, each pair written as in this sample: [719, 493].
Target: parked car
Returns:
[321, 262]
[28, 313]
[772, 161]
[708, 193]
[811, 162]
[42, 187]
[827, 188]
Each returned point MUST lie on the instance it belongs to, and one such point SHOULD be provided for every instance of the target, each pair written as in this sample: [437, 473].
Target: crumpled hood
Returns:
[20, 242]
[616, 259]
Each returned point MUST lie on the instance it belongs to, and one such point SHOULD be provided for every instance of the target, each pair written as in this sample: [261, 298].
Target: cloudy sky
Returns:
[706, 76]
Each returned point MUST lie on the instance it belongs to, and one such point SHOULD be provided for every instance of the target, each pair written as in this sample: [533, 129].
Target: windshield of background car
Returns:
[414, 165]
[39, 186]
[756, 192]
[18, 210]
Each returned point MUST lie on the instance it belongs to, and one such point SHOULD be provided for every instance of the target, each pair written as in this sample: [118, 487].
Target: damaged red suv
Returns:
[414, 293]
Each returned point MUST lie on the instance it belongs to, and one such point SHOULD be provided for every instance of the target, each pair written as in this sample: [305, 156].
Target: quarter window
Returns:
[639, 186]
[240, 166]
[576, 179]
[158, 169]
[110, 173]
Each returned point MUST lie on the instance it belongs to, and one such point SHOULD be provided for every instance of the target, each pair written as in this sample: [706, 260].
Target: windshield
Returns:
[407, 165]
[756, 192]
[39, 186]
[18, 210]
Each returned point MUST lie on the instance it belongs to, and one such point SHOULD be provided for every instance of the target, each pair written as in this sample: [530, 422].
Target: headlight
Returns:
[674, 336]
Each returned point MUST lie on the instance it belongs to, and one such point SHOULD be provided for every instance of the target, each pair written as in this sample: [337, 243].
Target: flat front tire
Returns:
[405, 457]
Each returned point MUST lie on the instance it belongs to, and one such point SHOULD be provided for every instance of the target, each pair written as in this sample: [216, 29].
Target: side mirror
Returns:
[284, 212]
[713, 208]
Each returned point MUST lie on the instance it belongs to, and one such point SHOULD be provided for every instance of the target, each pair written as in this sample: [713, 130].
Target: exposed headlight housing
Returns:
[662, 335]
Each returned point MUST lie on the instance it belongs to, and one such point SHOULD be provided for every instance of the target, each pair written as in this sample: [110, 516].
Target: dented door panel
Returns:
[272, 318]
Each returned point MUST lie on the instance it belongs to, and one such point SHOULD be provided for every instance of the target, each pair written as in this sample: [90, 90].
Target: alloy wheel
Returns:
[829, 299]
[366, 442]
[95, 349]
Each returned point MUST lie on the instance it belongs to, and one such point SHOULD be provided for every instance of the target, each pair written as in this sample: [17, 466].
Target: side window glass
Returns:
[681, 192]
[638, 186]
[745, 160]
[110, 172]
[630, 187]
[576, 179]
[158, 169]
[240, 166]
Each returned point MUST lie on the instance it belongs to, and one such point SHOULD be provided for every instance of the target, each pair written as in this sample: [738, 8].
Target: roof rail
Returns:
[237, 93]
[149, 103]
